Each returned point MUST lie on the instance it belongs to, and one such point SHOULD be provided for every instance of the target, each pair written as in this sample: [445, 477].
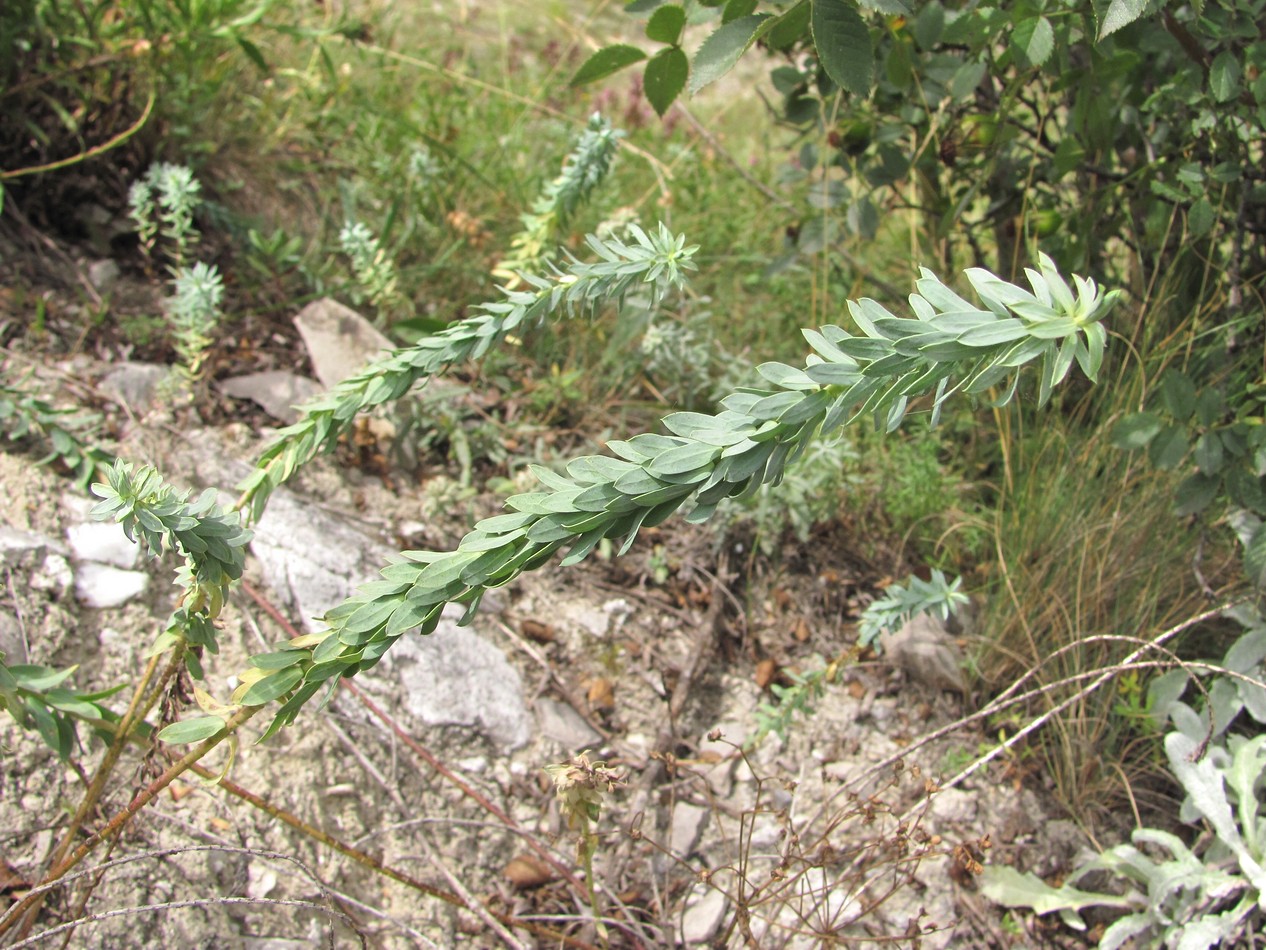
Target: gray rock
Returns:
[339, 340]
[103, 274]
[311, 560]
[134, 384]
[103, 542]
[930, 906]
[99, 585]
[703, 917]
[261, 880]
[844, 771]
[924, 649]
[53, 576]
[37, 556]
[117, 644]
[954, 804]
[12, 643]
[558, 721]
[277, 391]
[720, 775]
[688, 822]
[17, 545]
[1064, 844]
[940, 923]
[454, 677]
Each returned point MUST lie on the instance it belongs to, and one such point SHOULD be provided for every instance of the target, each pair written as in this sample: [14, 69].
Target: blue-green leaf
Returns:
[1178, 393]
[1034, 39]
[737, 9]
[272, 686]
[1169, 447]
[1136, 431]
[192, 730]
[683, 459]
[1224, 77]
[1195, 493]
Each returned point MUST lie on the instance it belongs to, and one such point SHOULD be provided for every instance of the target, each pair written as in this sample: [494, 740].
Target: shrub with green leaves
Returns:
[901, 603]
[162, 203]
[194, 313]
[373, 270]
[810, 492]
[1220, 442]
[657, 261]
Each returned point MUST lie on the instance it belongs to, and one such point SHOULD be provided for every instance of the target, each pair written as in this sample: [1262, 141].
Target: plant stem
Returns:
[120, 820]
[378, 867]
[420, 750]
[137, 710]
[588, 845]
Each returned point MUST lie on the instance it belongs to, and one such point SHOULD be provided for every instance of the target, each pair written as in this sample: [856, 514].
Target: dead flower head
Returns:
[580, 785]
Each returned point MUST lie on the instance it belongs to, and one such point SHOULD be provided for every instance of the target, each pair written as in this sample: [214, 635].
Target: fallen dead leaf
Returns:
[535, 630]
[179, 790]
[766, 671]
[856, 689]
[526, 872]
[801, 633]
[601, 693]
[469, 227]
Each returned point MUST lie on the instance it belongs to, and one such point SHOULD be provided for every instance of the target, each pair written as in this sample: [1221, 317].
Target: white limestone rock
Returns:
[102, 586]
[103, 542]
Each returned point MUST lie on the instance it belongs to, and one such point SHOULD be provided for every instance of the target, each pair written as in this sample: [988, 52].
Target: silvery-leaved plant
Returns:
[164, 200]
[1173, 895]
[583, 170]
[1189, 897]
[209, 538]
[948, 345]
[902, 602]
[194, 313]
[373, 269]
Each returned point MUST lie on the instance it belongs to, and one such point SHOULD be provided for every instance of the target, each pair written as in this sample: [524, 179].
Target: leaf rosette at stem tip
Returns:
[948, 345]
[207, 536]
